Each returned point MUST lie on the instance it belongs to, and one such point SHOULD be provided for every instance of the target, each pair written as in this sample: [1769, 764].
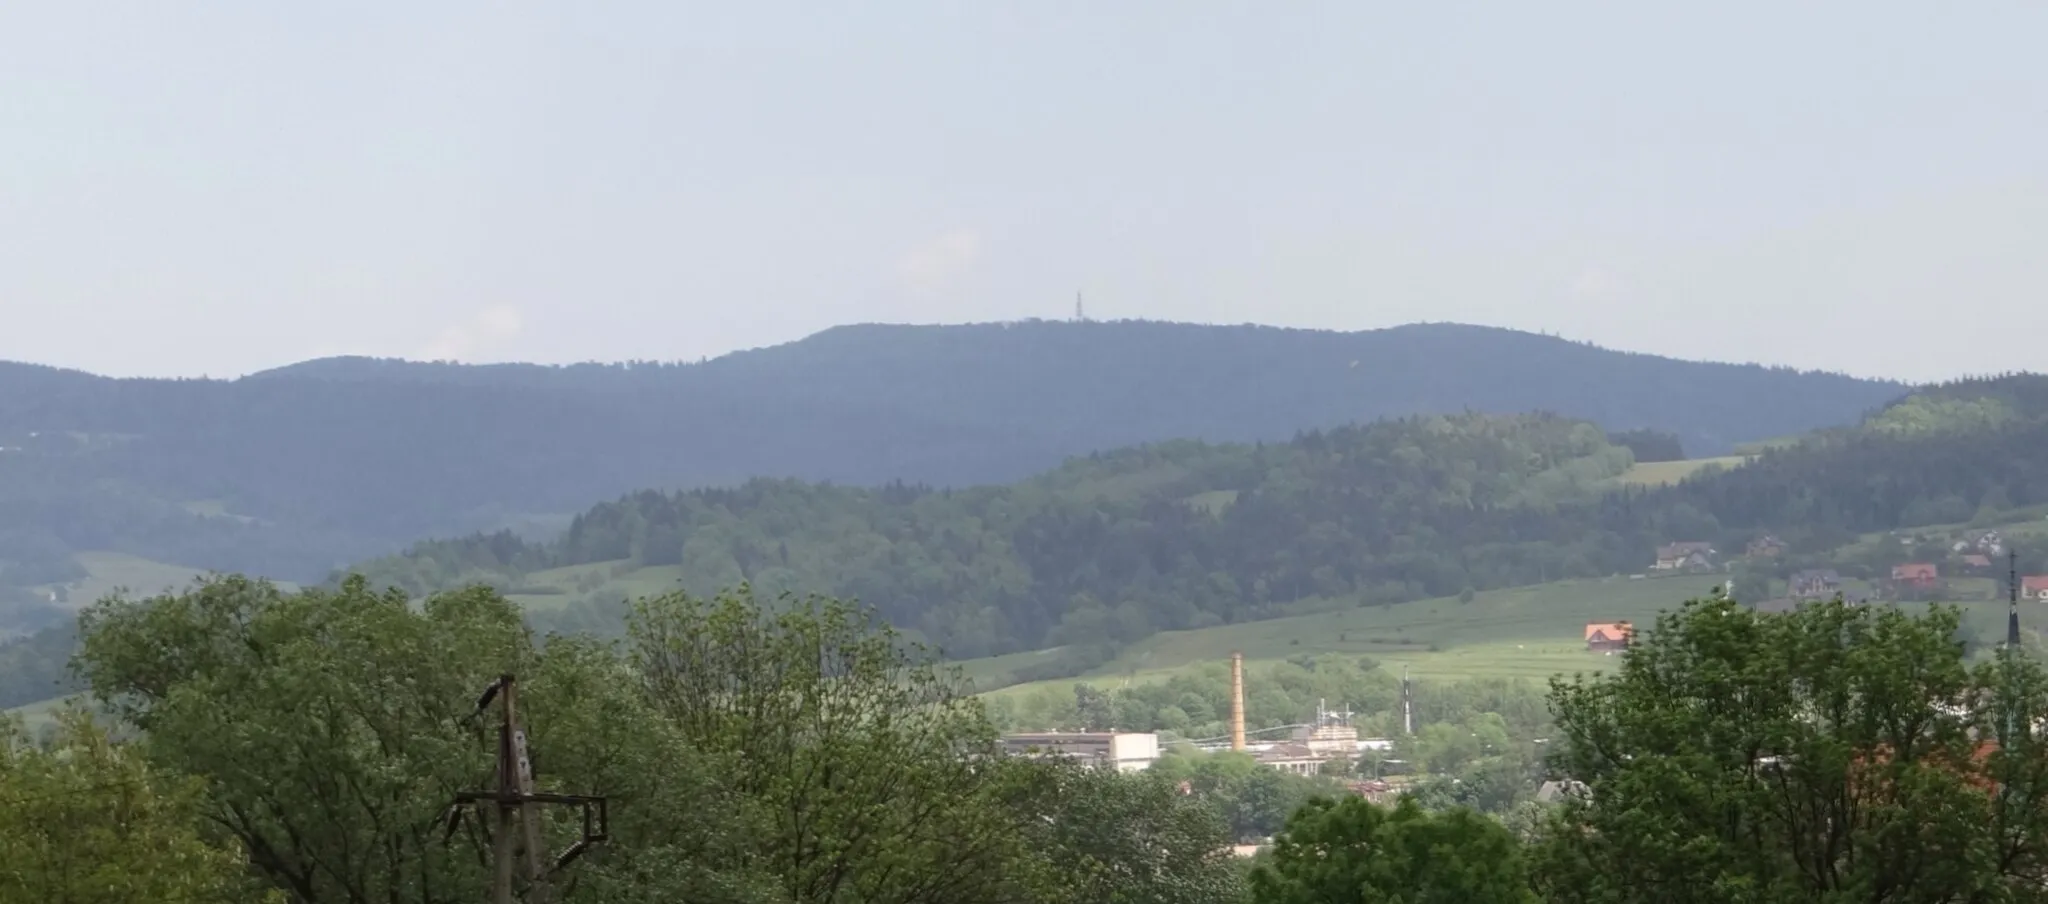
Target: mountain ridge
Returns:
[359, 367]
[336, 460]
[1237, 364]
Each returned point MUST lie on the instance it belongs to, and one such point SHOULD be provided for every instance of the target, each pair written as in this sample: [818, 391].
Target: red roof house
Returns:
[1916, 573]
[1608, 636]
[2034, 587]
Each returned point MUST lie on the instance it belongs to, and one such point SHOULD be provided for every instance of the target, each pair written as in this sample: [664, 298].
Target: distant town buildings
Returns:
[1329, 738]
[1295, 758]
[1312, 747]
[1123, 751]
[1815, 584]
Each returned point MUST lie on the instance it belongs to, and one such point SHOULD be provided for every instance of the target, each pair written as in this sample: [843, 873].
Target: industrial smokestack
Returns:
[1407, 704]
[2012, 618]
[1237, 701]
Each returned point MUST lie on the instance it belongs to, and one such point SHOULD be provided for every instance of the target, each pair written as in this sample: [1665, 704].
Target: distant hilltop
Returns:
[1146, 381]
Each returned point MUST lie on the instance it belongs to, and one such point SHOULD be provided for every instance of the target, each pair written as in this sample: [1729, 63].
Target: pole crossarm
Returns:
[515, 797]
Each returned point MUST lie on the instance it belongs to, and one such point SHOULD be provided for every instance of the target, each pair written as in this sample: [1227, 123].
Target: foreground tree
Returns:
[87, 821]
[333, 728]
[1134, 839]
[1352, 851]
[1835, 753]
[878, 777]
[1253, 800]
[327, 725]
[793, 753]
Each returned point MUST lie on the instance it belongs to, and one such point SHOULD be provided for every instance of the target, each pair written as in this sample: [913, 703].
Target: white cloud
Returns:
[940, 263]
[464, 340]
[1596, 284]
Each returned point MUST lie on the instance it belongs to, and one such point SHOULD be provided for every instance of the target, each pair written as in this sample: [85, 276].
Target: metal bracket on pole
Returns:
[516, 799]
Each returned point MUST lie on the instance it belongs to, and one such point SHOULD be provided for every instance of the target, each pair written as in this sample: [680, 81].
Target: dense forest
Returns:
[1114, 546]
[295, 472]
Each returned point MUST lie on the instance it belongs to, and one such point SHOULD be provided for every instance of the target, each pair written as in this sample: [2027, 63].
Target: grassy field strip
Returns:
[36, 715]
[1663, 473]
[108, 572]
[1526, 632]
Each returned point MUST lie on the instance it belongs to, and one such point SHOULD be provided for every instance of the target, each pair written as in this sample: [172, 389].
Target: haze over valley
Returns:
[1163, 452]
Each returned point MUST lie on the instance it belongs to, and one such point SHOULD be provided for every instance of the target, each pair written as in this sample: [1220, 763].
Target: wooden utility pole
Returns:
[515, 783]
[516, 801]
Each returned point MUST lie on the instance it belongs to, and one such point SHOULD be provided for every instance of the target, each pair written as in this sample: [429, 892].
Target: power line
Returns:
[73, 792]
[1249, 732]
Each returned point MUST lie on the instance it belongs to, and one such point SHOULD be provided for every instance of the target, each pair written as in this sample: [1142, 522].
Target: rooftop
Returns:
[1609, 630]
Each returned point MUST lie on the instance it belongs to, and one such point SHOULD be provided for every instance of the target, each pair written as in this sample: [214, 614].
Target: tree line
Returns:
[306, 747]
[1195, 702]
[246, 744]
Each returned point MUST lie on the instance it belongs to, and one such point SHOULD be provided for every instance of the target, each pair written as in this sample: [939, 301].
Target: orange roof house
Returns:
[1916, 573]
[1973, 772]
[1602, 636]
[2034, 587]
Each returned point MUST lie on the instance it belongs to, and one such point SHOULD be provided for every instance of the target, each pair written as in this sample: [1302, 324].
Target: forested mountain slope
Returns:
[295, 471]
[1089, 386]
[1117, 544]
[1114, 546]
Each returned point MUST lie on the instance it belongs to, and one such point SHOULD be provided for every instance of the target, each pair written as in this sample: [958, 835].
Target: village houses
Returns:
[1916, 574]
[1988, 543]
[1815, 584]
[1685, 556]
[1766, 547]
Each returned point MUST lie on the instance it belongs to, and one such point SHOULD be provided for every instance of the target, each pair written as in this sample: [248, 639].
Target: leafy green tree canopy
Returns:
[332, 729]
[878, 775]
[1352, 850]
[84, 820]
[1135, 838]
[1836, 753]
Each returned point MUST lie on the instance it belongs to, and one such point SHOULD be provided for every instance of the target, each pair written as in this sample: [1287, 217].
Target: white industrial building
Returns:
[1124, 751]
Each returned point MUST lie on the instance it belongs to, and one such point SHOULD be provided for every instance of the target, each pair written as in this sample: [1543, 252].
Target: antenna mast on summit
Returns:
[1080, 313]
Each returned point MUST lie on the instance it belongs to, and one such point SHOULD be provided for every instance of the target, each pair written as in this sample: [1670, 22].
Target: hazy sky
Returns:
[191, 188]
